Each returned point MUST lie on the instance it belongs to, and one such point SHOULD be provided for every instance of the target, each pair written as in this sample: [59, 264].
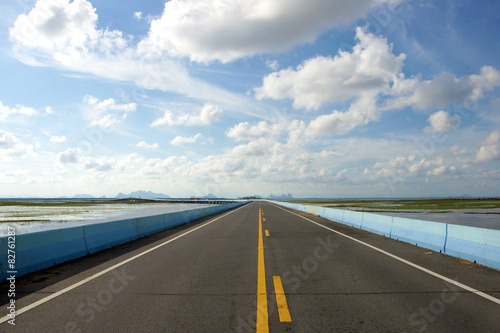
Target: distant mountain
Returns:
[142, 194]
[209, 196]
[251, 197]
[281, 197]
[83, 196]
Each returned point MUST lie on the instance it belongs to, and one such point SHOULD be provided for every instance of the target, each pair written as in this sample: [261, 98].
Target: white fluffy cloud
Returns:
[361, 112]
[56, 25]
[490, 148]
[180, 140]
[144, 144]
[108, 104]
[138, 16]
[108, 121]
[73, 157]
[11, 146]
[166, 168]
[445, 89]
[246, 132]
[70, 156]
[208, 114]
[6, 111]
[369, 69]
[64, 34]
[442, 121]
[107, 113]
[58, 139]
[401, 168]
[206, 30]
[99, 165]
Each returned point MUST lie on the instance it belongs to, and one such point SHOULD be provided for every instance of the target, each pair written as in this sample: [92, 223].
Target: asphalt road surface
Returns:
[259, 268]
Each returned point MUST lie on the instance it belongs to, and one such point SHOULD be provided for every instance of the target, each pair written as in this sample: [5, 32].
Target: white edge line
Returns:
[444, 278]
[96, 275]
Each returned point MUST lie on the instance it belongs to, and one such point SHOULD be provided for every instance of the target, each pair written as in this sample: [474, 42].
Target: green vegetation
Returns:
[41, 203]
[402, 205]
[20, 211]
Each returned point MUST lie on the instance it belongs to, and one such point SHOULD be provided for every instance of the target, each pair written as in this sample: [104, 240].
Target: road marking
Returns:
[283, 311]
[267, 233]
[263, 219]
[262, 323]
[96, 275]
[423, 269]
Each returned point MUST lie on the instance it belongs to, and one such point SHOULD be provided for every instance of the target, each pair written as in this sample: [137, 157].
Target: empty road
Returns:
[259, 268]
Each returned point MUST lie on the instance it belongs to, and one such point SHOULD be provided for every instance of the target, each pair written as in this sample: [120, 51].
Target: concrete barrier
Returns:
[45, 249]
[352, 218]
[431, 235]
[479, 245]
[100, 236]
[378, 224]
[334, 214]
[39, 250]
[474, 244]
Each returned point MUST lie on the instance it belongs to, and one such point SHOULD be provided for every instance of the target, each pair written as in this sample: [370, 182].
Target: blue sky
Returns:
[380, 98]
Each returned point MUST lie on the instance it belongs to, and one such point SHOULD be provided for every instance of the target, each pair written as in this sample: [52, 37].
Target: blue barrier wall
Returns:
[38, 250]
[479, 245]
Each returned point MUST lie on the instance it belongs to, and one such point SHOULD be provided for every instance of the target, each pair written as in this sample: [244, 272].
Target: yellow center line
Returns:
[283, 311]
[262, 324]
[267, 233]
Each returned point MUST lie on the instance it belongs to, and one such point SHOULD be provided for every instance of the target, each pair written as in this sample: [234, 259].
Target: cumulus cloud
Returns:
[490, 148]
[138, 16]
[108, 104]
[361, 112]
[369, 69]
[400, 168]
[108, 121]
[11, 146]
[169, 119]
[58, 139]
[6, 111]
[144, 144]
[206, 30]
[180, 140]
[442, 121]
[107, 113]
[70, 156]
[162, 168]
[246, 132]
[64, 34]
[64, 29]
[99, 165]
[208, 114]
[445, 89]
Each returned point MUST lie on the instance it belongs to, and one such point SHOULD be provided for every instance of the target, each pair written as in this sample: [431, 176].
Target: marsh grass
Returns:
[22, 211]
[406, 205]
[64, 203]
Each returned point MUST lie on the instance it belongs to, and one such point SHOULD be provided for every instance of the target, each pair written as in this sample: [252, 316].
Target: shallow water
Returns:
[471, 217]
[488, 218]
[27, 219]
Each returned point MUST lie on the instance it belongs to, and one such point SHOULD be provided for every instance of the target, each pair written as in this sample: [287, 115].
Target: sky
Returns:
[361, 98]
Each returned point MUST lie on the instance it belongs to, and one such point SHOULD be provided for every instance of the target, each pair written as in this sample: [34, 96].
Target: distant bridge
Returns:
[189, 201]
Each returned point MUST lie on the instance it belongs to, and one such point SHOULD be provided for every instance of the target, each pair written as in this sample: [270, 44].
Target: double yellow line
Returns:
[262, 314]
[262, 324]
